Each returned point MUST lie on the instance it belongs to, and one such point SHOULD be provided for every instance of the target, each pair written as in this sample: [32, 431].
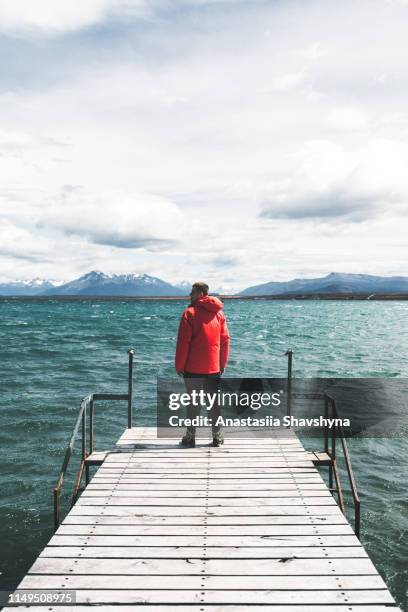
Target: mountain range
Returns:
[334, 282]
[37, 286]
[98, 283]
[142, 285]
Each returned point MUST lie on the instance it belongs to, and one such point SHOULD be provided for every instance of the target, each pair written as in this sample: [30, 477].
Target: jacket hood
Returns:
[210, 303]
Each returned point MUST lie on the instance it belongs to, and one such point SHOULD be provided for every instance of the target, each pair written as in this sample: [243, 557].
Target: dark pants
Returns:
[209, 383]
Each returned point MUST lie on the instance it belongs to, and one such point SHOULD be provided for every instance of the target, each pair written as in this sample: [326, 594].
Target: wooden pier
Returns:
[247, 526]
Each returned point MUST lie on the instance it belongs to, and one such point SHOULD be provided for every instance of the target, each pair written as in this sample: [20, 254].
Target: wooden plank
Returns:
[198, 453]
[126, 492]
[229, 446]
[97, 457]
[203, 530]
[215, 608]
[209, 540]
[201, 453]
[276, 467]
[206, 442]
[215, 489]
[200, 450]
[209, 461]
[174, 447]
[197, 485]
[273, 478]
[188, 582]
[203, 471]
[169, 552]
[261, 433]
[93, 564]
[200, 485]
[206, 447]
[203, 444]
[338, 519]
[252, 432]
[273, 465]
[286, 472]
[255, 476]
[222, 462]
[226, 448]
[198, 552]
[208, 451]
[269, 511]
[216, 484]
[201, 457]
[87, 500]
[233, 485]
[165, 596]
[226, 466]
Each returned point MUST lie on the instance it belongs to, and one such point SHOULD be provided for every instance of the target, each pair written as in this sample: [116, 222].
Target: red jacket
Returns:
[203, 338]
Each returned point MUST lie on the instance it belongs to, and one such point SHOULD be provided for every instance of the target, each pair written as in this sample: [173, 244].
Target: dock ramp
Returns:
[250, 525]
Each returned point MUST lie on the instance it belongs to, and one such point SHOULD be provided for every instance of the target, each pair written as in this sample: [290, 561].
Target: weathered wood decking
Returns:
[247, 526]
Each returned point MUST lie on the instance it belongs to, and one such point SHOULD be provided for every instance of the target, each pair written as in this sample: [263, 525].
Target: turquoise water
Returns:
[54, 352]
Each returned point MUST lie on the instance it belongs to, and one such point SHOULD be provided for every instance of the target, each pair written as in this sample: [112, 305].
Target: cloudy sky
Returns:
[232, 141]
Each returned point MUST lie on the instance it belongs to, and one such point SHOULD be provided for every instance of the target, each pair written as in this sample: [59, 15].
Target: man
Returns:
[202, 353]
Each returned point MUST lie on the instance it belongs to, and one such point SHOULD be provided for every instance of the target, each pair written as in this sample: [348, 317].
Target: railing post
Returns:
[84, 451]
[333, 443]
[357, 518]
[326, 428]
[289, 354]
[84, 433]
[91, 437]
[91, 425]
[57, 508]
[131, 353]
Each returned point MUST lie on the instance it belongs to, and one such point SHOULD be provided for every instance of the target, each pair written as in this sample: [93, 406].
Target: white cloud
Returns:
[346, 118]
[314, 52]
[329, 182]
[288, 82]
[117, 219]
[180, 131]
[57, 16]
[21, 243]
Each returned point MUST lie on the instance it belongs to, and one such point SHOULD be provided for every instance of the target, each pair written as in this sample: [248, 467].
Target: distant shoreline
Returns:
[285, 297]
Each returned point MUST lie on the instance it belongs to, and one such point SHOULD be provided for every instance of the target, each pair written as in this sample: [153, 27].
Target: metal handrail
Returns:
[353, 486]
[81, 421]
[289, 354]
[336, 429]
[67, 457]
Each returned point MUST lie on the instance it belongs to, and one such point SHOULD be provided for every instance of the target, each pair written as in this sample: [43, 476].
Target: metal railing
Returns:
[80, 424]
[289, 354]
[334, 433]
[338, 432]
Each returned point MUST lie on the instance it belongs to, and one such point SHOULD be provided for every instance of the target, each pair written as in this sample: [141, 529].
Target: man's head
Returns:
[198, 290]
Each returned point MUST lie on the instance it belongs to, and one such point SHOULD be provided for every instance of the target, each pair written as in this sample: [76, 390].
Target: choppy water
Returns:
[54, 352]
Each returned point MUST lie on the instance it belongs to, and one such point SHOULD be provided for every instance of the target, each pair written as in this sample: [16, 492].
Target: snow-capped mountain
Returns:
[98, 283]
[35, 286]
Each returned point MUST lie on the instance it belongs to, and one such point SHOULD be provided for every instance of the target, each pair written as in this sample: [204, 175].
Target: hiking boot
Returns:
[188, 440]
[218, 439]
